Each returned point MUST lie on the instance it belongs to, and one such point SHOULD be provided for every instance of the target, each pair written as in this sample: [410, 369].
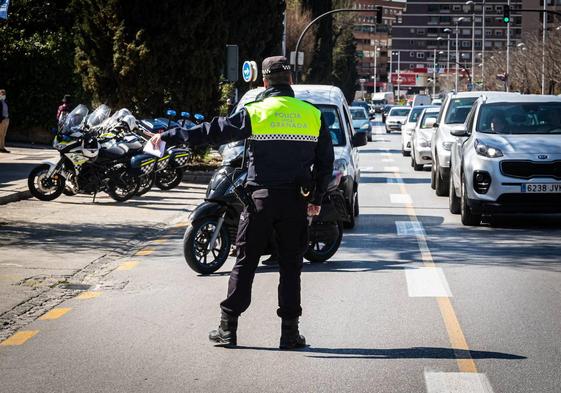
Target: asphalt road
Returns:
[412, 302]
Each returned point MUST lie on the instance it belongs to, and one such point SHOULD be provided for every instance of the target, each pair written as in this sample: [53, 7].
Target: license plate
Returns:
[542, 188]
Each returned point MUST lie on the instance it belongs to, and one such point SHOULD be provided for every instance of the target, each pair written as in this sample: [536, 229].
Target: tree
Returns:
[344, 65]
[36, 65]
[321, 65]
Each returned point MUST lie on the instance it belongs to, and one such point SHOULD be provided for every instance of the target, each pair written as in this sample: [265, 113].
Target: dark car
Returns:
[385, 110]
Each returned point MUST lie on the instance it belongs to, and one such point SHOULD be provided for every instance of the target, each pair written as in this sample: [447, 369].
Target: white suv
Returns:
[509, 160]
[421, 138]
[452, 116]
[409, 126]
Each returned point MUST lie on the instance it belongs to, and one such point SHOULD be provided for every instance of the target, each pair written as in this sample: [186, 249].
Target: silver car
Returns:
[408, 127]
[421, 138]
[396, 118]
[452, 116]
[507, 158]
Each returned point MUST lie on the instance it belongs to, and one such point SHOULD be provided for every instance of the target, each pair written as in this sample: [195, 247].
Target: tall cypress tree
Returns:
[322, 64]
[344, 64]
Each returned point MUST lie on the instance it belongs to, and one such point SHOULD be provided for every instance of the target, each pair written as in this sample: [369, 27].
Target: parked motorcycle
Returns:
[214, 223]
[85, 164]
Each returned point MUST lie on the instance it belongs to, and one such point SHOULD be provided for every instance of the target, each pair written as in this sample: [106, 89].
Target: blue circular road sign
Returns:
[247, 71]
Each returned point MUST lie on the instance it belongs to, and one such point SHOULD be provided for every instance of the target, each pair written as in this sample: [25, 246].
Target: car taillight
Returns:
[481, 182]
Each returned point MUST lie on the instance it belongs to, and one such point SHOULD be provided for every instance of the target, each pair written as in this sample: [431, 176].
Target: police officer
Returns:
[290, 165]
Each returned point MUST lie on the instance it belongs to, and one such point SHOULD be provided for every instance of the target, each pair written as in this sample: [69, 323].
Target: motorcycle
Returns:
[85, 165]
[214, 223]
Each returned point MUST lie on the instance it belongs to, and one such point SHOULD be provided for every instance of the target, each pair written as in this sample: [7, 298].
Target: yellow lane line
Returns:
[144, 252]
[55, 313]
[88, 295]
[455, 333]
[161, 241]
[19, 338]
[128, 265]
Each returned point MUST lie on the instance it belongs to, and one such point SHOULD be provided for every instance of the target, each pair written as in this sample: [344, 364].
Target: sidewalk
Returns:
[15, 167]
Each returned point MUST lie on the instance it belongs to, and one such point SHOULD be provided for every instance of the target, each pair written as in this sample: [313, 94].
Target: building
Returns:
[532, 22]
[372, 38]
[430, 27]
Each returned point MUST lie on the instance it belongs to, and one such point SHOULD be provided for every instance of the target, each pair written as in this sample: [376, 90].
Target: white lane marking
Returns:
[391, 169]
[427, 282]
[386, 154]
[394, 180]
[387, 160]
[409, 228]
[441, 382]
[10, 265]
[400, 198]
[367, 168]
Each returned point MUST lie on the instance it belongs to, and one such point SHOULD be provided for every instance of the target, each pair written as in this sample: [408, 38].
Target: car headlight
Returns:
[341, 165]
[447, 145]
[424, 143]
[486, 150]
[365, 126]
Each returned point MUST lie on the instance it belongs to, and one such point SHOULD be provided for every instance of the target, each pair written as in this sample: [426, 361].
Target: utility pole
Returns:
[434, 74]
[398, 73]
[483, 46]
[457, 52]
[543, 44]
[507, 76]
[375, 66]
[472, 6]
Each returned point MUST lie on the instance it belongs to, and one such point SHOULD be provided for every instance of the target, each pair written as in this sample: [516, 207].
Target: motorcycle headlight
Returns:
[341, 165]
[365, 126]
[486, 150]
[447, 145]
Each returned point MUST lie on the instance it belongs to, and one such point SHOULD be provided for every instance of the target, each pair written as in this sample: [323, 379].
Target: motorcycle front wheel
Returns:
[320, 250]
[42, 187]
[123, 188]
[195, 246]
[169, 178]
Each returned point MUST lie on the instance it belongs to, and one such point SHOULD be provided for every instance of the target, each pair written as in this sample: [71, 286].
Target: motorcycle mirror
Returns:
[186, 115]
[171, 113]
[199, 117]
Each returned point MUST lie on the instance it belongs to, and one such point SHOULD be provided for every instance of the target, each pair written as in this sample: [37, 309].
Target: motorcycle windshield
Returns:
[116, 118]
[75, 118]
[98, 116]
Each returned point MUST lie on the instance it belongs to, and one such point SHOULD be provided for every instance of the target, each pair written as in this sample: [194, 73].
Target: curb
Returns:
[198, 177]
[16, 195]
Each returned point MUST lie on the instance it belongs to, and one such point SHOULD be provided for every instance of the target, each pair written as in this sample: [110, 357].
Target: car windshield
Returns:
[358, 114]
[520, 118]
[429, 118]
[333, 122]
[415, 112]
[459, 109]
[378, 102]
[399, 111]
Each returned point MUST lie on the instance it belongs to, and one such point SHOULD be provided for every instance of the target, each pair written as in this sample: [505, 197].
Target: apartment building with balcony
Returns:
[373, 39]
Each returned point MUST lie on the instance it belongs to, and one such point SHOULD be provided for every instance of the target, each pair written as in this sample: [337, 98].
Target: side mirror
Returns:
[459, 132]
[359, 139]
[185, 115]
[171, 113]
[430, 123]
[435, 125]
[199, 117]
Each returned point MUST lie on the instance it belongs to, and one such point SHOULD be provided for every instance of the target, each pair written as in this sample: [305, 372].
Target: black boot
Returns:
[226, 332]
[290, 336]
[273, 260]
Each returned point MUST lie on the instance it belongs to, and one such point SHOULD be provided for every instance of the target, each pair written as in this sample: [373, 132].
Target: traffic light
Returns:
[379, 13]
[506, 13]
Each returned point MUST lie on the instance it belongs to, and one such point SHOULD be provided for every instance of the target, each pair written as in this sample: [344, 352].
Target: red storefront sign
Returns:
[406, 79]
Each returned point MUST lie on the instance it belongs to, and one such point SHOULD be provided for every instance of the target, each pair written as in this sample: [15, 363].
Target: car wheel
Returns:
[352, 210]
[369, 138]
[468, 217]
[416, 167]
[440, 185]
[433, 175]
[454, 202]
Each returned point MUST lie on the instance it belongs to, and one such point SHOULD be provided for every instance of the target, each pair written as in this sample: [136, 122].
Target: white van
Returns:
[421, 99]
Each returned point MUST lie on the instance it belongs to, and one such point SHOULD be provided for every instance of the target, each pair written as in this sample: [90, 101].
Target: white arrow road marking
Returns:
[441, 382]
[427, 282]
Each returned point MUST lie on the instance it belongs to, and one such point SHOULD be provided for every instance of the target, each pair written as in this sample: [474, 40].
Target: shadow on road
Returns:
[384, 180]
[395, 353]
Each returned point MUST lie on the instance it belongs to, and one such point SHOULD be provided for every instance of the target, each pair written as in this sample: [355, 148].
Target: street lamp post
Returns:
[457, 52]
[483, 45]
[507, 76]
[543, 44]
[375, 66]
[434, 74]
[472, 6]
[448, 31]
[398, 73]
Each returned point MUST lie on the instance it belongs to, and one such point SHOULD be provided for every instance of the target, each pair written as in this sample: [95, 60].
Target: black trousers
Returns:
[284, 211]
